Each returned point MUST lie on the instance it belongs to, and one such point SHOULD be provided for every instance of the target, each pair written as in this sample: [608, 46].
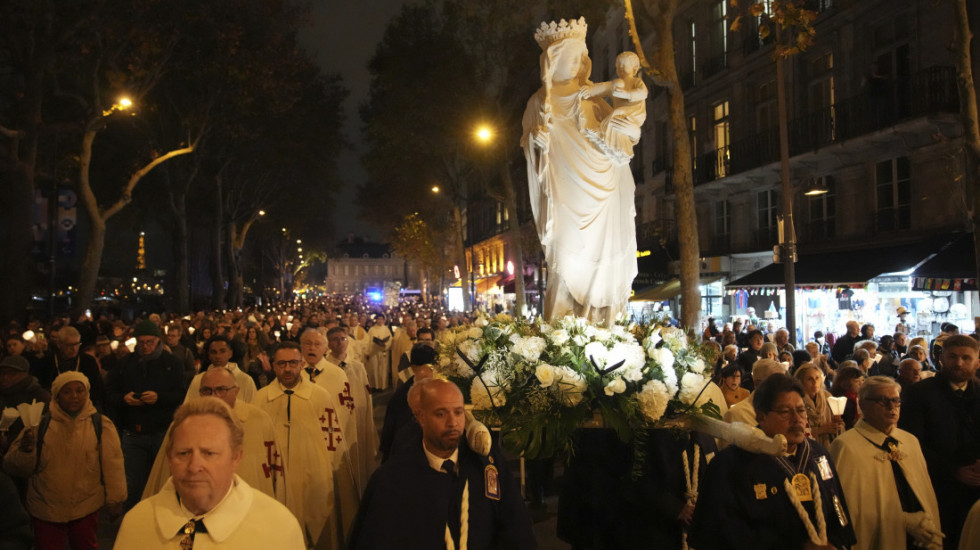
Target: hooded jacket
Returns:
[68, 482]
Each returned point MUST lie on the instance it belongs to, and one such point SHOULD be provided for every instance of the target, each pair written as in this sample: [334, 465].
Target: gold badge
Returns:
[773, 490]
[491, 483]
[801, 486]
[760, 491]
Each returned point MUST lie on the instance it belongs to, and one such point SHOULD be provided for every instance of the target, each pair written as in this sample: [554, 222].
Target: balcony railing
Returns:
[715, 65]
[928, 92]
[656, 233]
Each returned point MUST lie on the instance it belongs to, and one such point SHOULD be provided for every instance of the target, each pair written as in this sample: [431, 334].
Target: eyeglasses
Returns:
[291, 363]
[785, 413]
[219, 391]
[887, 402]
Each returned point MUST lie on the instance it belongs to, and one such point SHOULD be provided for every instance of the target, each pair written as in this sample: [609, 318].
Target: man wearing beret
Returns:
[144, 393]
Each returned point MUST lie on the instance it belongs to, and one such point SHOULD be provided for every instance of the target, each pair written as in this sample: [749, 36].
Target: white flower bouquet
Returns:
[541, 381]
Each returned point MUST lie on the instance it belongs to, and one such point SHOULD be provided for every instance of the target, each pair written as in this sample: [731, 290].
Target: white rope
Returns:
[820, 539]
[691, 483]
[464, 522]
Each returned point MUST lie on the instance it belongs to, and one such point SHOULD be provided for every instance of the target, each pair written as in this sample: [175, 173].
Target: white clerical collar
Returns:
[435, 462]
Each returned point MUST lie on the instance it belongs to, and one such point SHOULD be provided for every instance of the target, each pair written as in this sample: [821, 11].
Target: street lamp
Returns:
[435, 188]
[484, 133]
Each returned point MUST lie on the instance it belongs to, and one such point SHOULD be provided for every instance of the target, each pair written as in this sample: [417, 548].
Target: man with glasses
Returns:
[219, 350]
[68, 357]
[884, 475]
[261, 465]
[943, 412]
[144, 392]
[791, 501]
[299, 411]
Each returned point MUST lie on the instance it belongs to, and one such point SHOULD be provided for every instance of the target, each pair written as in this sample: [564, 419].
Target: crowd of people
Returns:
[216, 424]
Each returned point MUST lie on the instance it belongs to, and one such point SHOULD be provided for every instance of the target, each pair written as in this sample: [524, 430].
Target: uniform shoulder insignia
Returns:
[491, 482]
[760, 491]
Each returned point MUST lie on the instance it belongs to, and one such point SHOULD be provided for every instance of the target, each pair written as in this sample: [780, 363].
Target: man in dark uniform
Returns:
[399, 413]
[759, 501]
[437, 492]
[943, 412]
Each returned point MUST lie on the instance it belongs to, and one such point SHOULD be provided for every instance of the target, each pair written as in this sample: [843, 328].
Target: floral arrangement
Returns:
[541, 381]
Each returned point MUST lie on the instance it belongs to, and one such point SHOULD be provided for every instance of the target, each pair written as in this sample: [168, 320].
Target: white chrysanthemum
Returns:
[653, 399]
[475, 333]
[663, 357]
[597, 352]
[697, 365]
[529, 348]
[630, 353]
[487, 391]
[558, 337]
[691, 385]
[545, 374]
[616, 385]
[570, 385]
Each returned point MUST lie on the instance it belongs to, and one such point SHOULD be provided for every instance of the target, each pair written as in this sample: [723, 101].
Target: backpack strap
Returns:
[42, 429]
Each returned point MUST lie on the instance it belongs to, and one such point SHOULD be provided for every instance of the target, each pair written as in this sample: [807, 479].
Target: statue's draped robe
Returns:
[583, 208]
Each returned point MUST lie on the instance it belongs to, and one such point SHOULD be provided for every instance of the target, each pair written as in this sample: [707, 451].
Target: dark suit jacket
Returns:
[397, 414]
[406, 504]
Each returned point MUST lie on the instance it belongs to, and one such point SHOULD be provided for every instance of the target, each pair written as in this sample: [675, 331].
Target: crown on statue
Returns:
[549, 33]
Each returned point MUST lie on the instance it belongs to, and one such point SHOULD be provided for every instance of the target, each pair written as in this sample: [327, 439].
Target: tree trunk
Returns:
[91, 263]
[687, 222]
[233, 255]
[969, 114]
[517, 244]
[181, 261]
[464, 272]
[217, 273]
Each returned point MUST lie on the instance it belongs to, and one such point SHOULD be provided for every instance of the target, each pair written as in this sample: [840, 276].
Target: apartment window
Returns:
[765, 111]
[893, 183]
[500, 216]
[721, 137]
[822, 211]
[723, 226]
[692, 123]
[767, 203]
[694, 50]
[719, 34]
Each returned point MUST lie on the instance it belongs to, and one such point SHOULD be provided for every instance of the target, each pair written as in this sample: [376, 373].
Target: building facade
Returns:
[357, 266]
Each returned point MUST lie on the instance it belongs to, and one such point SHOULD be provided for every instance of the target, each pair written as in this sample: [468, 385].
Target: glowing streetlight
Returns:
[484, 134]
[123, 103]
[262, 212]
[435, 188]
[299, 241]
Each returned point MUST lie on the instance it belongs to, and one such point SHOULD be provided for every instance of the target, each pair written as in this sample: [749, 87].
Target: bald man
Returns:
[261, 465]
[466, 496]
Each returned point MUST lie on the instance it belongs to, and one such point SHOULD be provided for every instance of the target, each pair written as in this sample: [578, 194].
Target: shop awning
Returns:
[666, 291]
[847, 267]
[952, 268]
[508, 286]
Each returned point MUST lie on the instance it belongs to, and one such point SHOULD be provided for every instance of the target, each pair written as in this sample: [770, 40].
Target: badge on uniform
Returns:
[801, 486]
[760, 491]
[491, 482]
[839, 508]
[824, 466]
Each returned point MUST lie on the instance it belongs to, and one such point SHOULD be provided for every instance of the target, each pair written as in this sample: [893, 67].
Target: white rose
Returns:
[616, 385]
[663, 357]
[691, 385]
[546, 375]
[697, 365]
[558, 337]
[633, 374]
[630, 353]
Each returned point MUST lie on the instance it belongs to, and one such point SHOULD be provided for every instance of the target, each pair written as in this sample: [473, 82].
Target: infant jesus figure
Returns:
[620, 131]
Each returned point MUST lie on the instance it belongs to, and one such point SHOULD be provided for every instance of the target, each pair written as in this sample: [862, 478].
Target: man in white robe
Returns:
[886, 506]
[357, 397]
[401, 346]
[378, 343]
[219, 353]
[261, 465]
[300, 412]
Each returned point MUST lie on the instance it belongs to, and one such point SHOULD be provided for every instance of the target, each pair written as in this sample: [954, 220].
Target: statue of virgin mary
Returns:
[581, 199]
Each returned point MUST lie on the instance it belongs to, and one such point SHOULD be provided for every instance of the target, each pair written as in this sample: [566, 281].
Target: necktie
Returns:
[289, 404]
[343, 364]
[455, 495]
[905, 493]
[449, 467]
[190, 529]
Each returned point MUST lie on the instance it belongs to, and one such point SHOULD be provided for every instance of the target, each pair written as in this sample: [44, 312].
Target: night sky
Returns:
[343, 34]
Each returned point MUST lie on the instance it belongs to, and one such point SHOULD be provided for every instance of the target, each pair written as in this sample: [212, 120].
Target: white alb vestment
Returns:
[376, 347]
[363, 408]
[261, 465]
[302, 422]
[245, 519]
[246, 386]
[869, 484]
[583, 206]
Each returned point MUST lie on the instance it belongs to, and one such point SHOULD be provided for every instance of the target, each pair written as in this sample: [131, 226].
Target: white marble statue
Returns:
[629, 95]
[581, 197]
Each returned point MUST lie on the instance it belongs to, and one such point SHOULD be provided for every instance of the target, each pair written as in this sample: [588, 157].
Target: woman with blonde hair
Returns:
[823, 425]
